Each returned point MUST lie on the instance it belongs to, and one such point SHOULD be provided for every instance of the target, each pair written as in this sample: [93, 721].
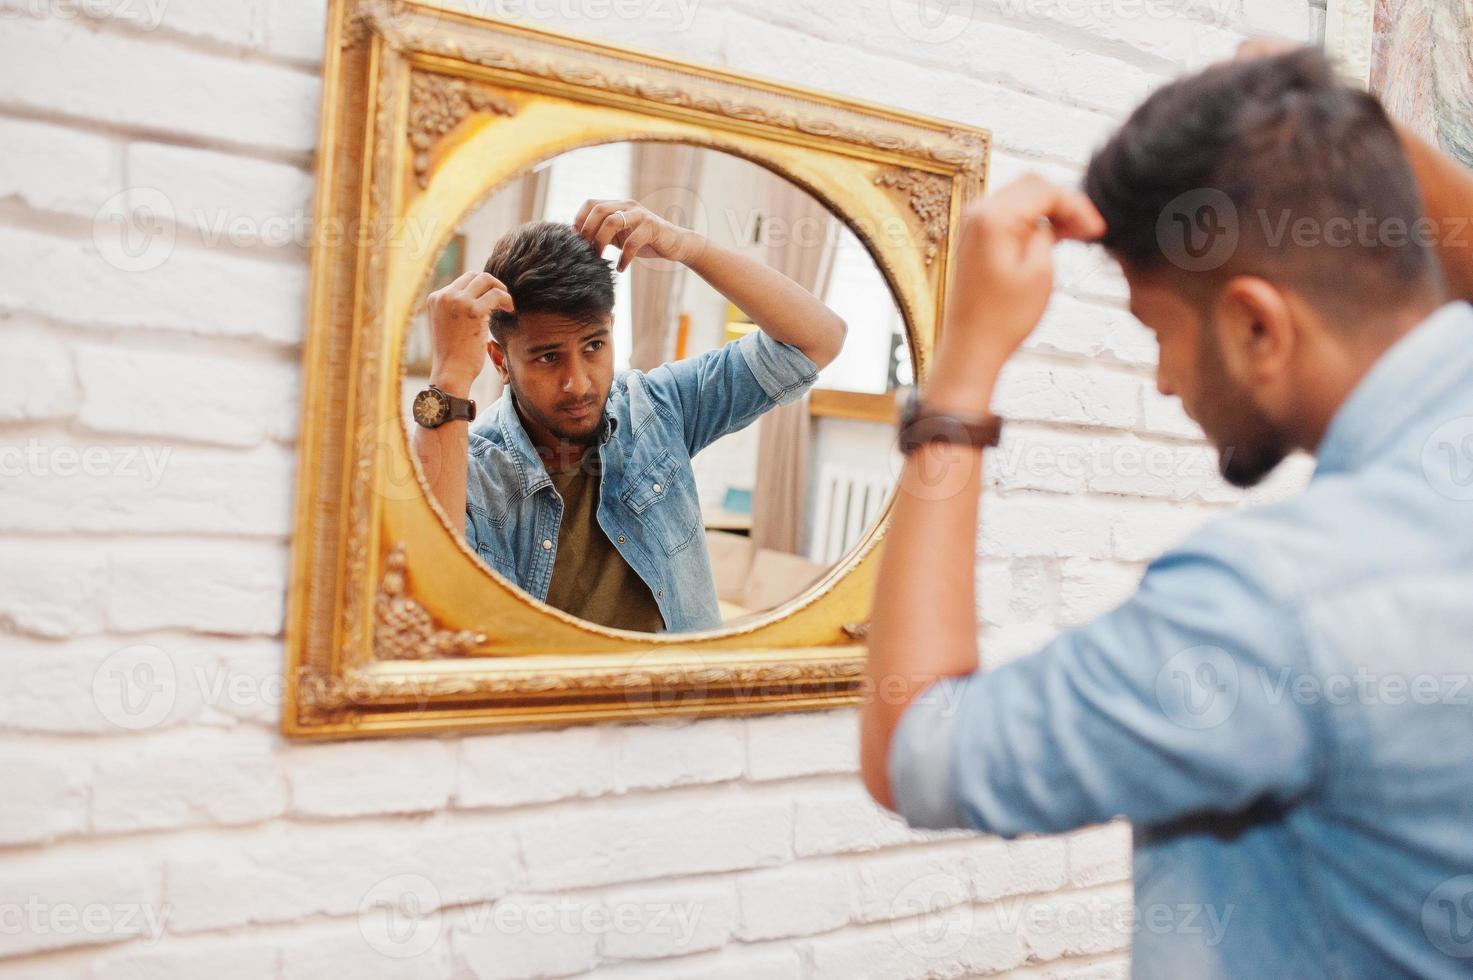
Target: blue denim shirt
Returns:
[1283, 710]
[654, 423]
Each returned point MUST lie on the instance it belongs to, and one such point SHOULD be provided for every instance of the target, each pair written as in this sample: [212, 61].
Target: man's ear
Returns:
[1256, 329]
[498, 359]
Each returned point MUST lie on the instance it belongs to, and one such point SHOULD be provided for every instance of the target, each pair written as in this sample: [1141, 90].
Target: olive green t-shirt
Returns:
[590, 579]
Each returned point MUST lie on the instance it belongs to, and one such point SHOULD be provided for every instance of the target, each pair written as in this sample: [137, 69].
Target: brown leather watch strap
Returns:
[461, 409]
[920, 425]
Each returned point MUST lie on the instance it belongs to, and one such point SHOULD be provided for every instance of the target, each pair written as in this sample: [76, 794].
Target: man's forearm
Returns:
[925, 627]
[780, 307]
[924, 623]
[442, 456]
[1447, 197]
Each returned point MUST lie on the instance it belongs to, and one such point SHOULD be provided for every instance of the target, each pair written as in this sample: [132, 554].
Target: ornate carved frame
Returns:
[394, 625]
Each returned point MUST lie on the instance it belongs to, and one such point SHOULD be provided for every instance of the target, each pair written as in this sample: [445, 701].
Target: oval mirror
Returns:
[683, 445]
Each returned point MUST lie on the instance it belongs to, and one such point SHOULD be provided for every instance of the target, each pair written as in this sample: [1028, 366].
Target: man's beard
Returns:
[586, 437]
[1249, 445]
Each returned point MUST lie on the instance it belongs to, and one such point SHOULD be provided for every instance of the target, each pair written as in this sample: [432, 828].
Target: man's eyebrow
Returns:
[544, 348]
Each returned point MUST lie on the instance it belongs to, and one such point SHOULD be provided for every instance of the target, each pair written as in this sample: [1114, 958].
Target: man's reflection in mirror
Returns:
[577, 483]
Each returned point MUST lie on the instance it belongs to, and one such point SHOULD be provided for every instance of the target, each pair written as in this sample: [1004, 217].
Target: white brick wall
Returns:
[148, 420]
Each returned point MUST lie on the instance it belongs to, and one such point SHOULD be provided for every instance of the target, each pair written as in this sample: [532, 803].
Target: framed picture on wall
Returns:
[1417, 57]
[451, 264]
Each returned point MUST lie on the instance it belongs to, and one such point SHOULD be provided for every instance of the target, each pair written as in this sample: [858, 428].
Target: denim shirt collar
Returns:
[531, 470]
[1414, 372]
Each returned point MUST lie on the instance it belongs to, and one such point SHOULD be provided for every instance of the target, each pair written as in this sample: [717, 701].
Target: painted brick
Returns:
[60, 66]
[351, 779]
[192, 128]
[601, 843]
[37, 379]
[185, 289]
[52, 168]
[802, 744]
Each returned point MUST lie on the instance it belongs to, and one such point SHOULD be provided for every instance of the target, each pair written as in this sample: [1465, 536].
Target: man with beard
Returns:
[1282, 710]
[576, 484]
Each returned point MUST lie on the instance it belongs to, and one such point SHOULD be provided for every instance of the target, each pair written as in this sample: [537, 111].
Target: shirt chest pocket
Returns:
[662, 497]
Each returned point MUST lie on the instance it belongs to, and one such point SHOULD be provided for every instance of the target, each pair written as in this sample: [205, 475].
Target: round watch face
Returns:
[429, 408]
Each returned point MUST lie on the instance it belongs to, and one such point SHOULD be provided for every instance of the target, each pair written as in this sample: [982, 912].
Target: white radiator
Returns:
[849, 500]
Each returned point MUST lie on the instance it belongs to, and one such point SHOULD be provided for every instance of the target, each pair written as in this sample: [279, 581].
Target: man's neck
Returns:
[555, 452]
[1353, 365]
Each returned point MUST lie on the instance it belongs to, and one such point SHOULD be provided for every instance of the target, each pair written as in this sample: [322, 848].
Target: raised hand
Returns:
[459, 317]
[636, 231]
[1264, 47]
[1003, 273]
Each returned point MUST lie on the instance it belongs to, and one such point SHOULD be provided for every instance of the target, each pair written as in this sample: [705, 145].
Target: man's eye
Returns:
[596, 345]
[548, 358]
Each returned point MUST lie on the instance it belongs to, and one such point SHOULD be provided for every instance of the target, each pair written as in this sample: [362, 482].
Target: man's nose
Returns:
[577, 381]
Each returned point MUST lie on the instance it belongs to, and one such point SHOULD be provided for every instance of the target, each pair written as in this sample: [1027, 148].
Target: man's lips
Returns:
[579, 411]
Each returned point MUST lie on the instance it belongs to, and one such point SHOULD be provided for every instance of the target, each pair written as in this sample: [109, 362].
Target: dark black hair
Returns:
[1235, 155]
[548, 268]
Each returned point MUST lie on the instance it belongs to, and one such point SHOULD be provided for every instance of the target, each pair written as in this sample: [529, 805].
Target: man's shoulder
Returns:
[493, 460]
[637, 397]
[1341, 530]
[485, 434]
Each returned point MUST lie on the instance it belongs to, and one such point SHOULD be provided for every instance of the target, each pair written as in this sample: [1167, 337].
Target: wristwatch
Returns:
[433, 408]
[920, 425]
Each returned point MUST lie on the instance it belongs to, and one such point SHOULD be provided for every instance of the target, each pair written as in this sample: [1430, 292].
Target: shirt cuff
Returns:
[922, 755]
[783, 371]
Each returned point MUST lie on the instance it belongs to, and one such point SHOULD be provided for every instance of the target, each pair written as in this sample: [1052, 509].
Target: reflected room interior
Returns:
[786, 498]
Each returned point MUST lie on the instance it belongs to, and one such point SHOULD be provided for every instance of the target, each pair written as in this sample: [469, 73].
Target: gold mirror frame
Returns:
[394, 626]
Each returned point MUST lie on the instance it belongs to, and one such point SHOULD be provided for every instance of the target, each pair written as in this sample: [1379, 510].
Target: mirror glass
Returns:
[677, 446]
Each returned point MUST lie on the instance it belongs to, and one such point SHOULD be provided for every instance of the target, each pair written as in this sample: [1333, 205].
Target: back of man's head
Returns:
[548, 268]
[1269, 167]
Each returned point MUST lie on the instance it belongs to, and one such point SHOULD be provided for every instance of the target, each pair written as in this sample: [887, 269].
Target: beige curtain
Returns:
[801, 236]
[661, 176]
